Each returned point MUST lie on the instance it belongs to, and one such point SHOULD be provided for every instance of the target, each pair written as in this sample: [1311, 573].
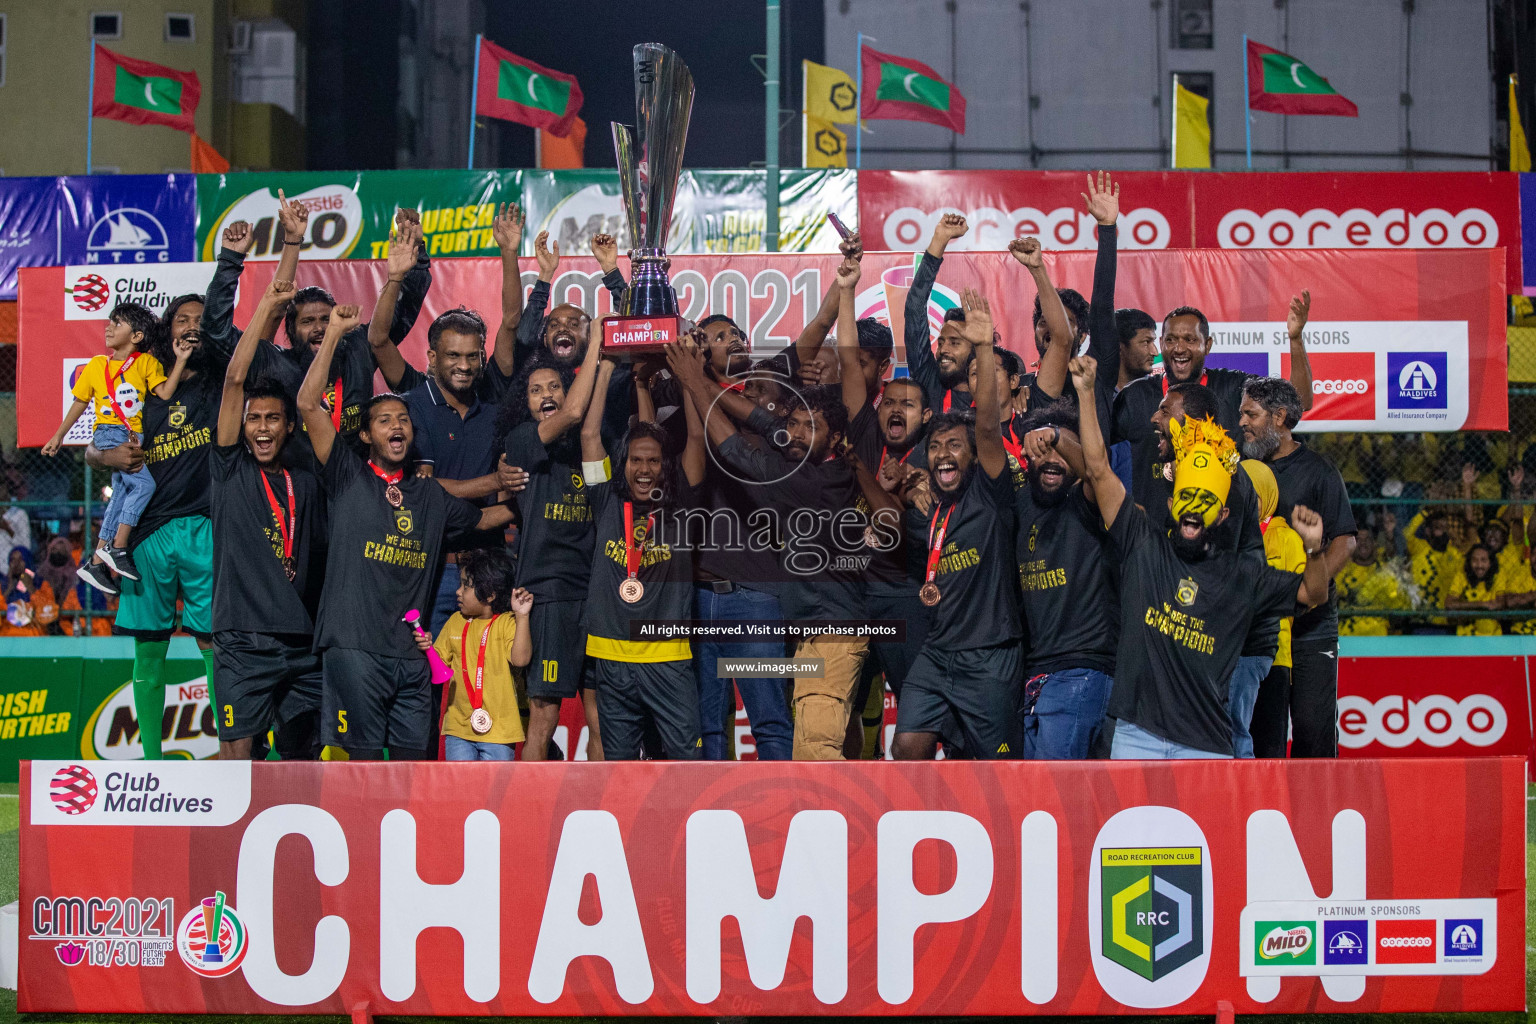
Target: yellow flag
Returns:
[1519, 151]
[829, 94]
[825, 144]
[1191, 129]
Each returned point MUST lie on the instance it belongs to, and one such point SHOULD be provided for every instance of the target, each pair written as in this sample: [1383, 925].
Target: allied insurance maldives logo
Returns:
[73, 789]
[211, 938]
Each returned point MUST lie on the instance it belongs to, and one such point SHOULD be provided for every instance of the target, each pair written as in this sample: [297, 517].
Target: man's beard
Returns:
[1044, 498]
[1440, 543]
[952, 380]
[1189, 549]
[464, 394]
[1262, 446]
[950, 497]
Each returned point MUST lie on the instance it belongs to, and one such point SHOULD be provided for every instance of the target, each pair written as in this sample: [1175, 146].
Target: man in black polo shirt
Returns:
[964, 685]
[1271, 409]
[386, 538]
[945, 373]
[1185, 343]
[1186, 603]
[1070, 600]
[268, 542]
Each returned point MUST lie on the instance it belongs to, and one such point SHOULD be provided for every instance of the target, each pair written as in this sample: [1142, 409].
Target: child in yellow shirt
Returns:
[482, 642]
[118, 384]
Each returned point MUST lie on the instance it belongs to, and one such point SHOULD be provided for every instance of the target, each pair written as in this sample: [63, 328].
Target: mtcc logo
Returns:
[1152, 908]
[128, 229]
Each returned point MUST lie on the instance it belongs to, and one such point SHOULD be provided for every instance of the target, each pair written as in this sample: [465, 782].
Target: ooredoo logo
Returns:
[73, 789]
[1357, 229]
[1341, 386]
[1064, 227]
[1405, 942]
[1478, 720]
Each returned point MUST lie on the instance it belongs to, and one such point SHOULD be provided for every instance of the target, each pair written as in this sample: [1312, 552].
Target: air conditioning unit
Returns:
[240, 37]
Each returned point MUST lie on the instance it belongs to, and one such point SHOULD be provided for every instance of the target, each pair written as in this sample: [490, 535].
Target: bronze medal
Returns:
[929, 594]
[631, 590]
[290, 569]
[393, 496]
[480, 721]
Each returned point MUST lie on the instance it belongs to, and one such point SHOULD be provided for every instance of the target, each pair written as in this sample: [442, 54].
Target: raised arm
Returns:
[418, 280]
[989, 434]
[687, 366]
[915, 334]
[293, 218]
[232, 405]
[183, 347]
[1301, 369]
[605, 249]
[399, 262]
[1108, 491]
[1103, 203]
[1314, 582]
[322, 433]
[574, 410]
[507, 230]
[217, 325]
[1052, 375]
[592, 449]
[695, 453]
[854, 394]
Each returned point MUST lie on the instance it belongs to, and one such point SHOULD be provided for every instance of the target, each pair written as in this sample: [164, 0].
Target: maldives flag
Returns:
[142, 92]
[514, 88]
[1281, 84]
[908, 90]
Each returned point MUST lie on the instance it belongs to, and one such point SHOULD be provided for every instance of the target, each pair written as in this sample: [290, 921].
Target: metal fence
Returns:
[1397, 485]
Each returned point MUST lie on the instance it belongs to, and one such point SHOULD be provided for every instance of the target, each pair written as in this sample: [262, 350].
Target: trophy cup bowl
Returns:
[650, 159]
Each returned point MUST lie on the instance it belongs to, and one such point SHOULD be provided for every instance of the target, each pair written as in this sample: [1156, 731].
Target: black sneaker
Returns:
[95, 573]
[121, 562]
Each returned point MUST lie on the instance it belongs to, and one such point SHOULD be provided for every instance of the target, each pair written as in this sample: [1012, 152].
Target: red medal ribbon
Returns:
[286, 529]
[476, 693]
[1204, 378]
[632, 553]
[936, 544]
[1014, 445]
[902, 460]
[389, 478]
[113, 382]
[949, 396]
[336, 405]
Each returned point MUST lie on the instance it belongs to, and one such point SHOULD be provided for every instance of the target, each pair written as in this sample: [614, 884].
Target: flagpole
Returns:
[90, 108]
[858, 114]
[1247, 115]
[1173, 132]
[474, 102]
[805, 122]
[771, 87]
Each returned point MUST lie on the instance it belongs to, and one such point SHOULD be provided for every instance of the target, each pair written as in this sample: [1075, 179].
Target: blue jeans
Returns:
[1067, 715]
[446, 602]
[1242, 693]
[455, 749]
[1133, 743]
[130, 491]
[764, 700]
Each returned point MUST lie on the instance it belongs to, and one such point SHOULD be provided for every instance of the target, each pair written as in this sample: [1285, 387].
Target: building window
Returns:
[1193, 25]
[106, 25]
[179, 28]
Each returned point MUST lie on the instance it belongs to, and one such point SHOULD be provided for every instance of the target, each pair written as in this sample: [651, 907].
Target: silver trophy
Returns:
[650, 162]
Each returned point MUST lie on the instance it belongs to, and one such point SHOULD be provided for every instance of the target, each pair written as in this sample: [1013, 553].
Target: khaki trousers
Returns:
[822, 706]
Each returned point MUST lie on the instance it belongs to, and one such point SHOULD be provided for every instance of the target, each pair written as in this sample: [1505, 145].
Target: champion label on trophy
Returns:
[650, 161]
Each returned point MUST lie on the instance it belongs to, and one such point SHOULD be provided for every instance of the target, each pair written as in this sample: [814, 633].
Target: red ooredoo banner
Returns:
[892, 889]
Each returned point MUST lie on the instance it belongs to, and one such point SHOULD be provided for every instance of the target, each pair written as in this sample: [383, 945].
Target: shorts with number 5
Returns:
[372, 700]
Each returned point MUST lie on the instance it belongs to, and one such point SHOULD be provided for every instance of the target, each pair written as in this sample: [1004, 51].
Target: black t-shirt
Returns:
[177, 436]
[1307, 478]
[554, 542]
[666, 567]
[976, 571]
[917, 340]
[897, 569]
[383, 560]
[736, 535]
[1139, 399]
[1067, 580]
[1182, 626]
[823, 531]
[250, 590]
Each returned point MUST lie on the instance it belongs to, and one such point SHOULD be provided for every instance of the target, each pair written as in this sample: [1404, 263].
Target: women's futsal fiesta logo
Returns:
[211, 938]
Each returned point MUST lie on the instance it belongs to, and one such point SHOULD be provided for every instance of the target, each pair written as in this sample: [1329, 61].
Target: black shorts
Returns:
[894, 658]
[372, 701]
[559, 634]
[263, 681]
[637, 699]
[969, 698]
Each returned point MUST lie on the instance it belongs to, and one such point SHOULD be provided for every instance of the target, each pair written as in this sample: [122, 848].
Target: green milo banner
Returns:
[352, 212]
[69, 698]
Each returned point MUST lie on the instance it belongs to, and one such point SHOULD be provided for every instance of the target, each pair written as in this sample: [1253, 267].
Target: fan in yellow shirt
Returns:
[482, 642]
[1476, 587]
[1436, 561]
[1366, 581]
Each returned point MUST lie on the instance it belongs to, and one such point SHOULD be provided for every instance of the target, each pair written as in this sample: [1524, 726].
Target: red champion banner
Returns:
[781, 889]
[1399, 341]
[1198, 209]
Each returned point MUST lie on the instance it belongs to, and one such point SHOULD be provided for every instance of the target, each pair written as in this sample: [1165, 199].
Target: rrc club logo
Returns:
[1153, 908]
[73, 789]
[212, 959]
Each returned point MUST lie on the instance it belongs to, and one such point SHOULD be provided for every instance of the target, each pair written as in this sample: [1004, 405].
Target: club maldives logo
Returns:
[211, 938]
[1152, 907]
[73, 789]
[1286, 941]
[90, 292]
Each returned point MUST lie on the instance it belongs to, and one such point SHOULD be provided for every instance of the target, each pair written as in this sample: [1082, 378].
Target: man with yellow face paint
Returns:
[1186, 603]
